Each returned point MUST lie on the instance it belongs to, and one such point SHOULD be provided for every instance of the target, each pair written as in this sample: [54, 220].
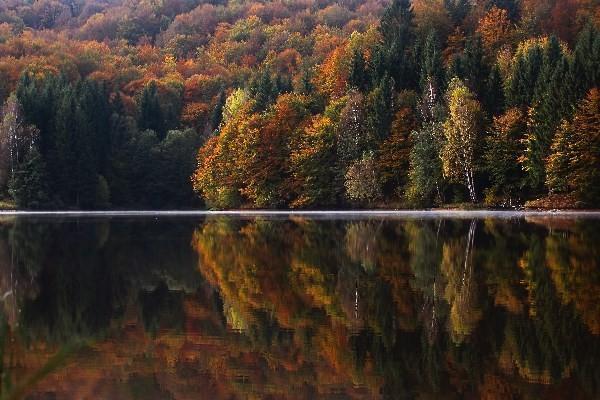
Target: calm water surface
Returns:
[258, 307]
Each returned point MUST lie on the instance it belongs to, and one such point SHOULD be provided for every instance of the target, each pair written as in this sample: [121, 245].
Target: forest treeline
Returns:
[301, 104]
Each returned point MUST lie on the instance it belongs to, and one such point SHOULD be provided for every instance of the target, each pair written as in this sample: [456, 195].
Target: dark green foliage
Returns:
[585, 67]
[381, 107]
[94, 156]
[503, 145]
[425, 175]
[396, 52]
[432, 68]
[554, 100]
[151, 113]
[358, 78]
[305, 85]
[396, 20]
[512, 6]
[29, 185]
[493, 100]
[458, 9]
[217, 114]
[173, 162]
[263, 90]
[93, 100]
[526, 70]
[471, 67]
[75, 171]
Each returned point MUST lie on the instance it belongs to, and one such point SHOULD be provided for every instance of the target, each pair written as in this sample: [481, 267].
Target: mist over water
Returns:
[300, 306]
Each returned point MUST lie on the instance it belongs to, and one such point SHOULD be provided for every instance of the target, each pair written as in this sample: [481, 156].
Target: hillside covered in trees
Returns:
[299, 103]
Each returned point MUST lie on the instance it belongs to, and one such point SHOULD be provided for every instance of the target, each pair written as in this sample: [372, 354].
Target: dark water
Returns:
[300, 308]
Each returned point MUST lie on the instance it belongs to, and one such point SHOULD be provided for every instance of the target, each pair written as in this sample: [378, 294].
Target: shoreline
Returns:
[391, 213]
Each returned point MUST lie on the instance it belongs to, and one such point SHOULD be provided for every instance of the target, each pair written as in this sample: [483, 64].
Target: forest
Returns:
[299, 103]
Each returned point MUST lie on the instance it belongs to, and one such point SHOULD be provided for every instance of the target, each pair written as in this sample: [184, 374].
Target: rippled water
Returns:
[491, 306]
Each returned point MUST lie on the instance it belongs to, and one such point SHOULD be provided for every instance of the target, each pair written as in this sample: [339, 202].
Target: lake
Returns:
[300, 306]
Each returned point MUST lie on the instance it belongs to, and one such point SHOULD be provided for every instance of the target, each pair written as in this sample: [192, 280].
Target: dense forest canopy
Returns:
[303, 104]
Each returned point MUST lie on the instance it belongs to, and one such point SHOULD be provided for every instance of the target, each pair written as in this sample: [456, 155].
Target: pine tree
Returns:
[217, 114]
[305, 85]
[557, 163]
[381, 108]
[502, 148]
[29, 184]
[432, 68]
[471, 68]
[585, 66]
[358, 78]
[524, 78]
[151, 114]
[397, 31]
[573, 163]
[494, 93]
[263, 90]
[96, 111]
[425, 173]
[553, 101]
[458, 9]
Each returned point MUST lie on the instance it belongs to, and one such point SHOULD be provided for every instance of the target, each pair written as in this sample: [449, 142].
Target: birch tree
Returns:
[461, 131]
[16, 138]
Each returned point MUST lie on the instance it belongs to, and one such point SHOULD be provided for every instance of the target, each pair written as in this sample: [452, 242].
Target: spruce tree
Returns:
[398, 37]
[432, 67]
[381, 108]
[457, 9]
[585, 66]
[425, 172]
[524, 77]
[494, 92]
[471, 67]
[358, 78]
[263, 90]
[217, 113]
[151, 114]
[29, 184]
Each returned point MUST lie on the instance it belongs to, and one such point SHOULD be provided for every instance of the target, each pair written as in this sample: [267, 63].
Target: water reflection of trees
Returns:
[304, 308]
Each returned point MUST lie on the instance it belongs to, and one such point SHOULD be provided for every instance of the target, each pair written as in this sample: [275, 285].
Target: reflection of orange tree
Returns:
[574, 262]
[273, 271]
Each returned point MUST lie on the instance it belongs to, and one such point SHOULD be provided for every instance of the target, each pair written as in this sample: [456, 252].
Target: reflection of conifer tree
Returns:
[426, 251]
